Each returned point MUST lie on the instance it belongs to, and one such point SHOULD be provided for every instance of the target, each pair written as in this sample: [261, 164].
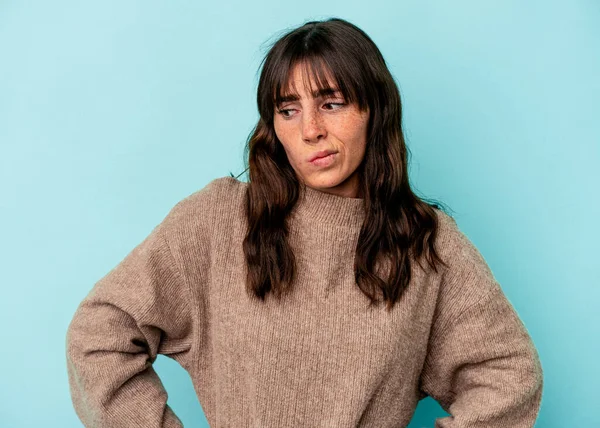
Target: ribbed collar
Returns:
[321, 207]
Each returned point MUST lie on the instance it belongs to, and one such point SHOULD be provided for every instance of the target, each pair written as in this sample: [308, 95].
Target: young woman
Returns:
[323, 292]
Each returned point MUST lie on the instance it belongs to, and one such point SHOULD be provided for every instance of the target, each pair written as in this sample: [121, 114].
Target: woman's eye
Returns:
[337, 105]
[284, 112]
[328, 106]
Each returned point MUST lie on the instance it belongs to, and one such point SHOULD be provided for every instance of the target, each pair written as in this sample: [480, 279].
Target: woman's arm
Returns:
[138, 310]
[482, 366]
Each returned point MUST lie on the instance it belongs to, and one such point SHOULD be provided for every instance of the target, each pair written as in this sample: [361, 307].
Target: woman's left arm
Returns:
[483, 368]
[481, 365]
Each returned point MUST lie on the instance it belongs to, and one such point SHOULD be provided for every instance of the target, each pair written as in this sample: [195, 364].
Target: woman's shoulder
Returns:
[468, 269]
[221, 191]
[219, 198]
[454, 242]
[448, 231]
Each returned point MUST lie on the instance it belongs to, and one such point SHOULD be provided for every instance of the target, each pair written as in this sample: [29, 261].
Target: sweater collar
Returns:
[320, 207]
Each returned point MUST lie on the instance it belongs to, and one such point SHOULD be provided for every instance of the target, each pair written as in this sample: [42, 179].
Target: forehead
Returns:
[304, 78]
[307, 80]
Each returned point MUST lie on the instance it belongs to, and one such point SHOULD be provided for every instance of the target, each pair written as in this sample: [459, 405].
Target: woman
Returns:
[323, 293]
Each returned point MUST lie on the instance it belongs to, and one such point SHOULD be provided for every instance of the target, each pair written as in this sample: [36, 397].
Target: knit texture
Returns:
[320, 357]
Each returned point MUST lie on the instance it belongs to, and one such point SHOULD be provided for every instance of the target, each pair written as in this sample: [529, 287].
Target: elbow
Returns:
[71, 338]
[527, 388]
[536, 380]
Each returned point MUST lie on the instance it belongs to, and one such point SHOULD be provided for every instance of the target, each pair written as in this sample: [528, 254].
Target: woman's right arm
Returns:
[140, 309]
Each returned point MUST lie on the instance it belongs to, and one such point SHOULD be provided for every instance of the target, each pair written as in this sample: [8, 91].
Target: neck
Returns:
[321, 207]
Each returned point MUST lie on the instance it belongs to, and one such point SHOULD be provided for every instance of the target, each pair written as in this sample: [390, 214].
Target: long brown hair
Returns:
[397, 224]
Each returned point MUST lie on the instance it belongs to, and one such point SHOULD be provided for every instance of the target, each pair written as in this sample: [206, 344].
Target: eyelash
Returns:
[283, 111]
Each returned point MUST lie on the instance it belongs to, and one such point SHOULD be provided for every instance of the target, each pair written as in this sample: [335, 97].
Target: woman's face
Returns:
[322, 122]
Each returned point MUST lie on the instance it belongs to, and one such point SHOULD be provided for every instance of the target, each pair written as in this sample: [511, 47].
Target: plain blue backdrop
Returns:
[111, 112]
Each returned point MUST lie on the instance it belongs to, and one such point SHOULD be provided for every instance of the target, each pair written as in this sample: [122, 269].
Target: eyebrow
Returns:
[315, 94]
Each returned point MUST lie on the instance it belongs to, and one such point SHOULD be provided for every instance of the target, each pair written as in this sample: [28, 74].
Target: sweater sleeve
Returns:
[139, 309]
[481, 366]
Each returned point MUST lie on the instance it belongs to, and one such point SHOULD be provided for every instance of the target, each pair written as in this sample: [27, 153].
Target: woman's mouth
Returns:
[325, 160]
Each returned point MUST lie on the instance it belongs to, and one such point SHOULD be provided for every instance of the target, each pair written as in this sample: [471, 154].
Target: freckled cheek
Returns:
[284, 132]
[286, 139]
[355, 139]
[353, 135]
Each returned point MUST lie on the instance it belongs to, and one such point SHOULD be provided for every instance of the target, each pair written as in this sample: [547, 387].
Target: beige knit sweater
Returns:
[319, 358]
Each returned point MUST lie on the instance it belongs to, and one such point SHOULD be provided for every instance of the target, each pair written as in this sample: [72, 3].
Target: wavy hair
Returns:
[398, 225]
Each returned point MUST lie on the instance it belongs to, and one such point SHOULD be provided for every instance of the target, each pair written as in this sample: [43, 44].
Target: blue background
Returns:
[111, 112]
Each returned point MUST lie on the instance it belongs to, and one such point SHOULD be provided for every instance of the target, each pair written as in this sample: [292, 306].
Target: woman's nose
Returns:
[313, 126]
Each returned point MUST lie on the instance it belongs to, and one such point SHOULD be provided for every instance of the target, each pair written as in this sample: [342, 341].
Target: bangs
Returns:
[318, 78]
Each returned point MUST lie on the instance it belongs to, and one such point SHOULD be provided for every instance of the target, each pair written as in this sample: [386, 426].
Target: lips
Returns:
[320, 154]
